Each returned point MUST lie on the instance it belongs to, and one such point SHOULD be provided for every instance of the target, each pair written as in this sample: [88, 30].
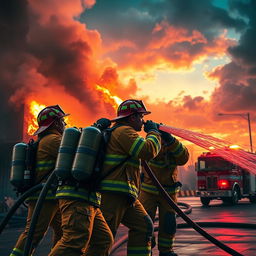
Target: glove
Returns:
[102, 123]
[151, 126]
[167, 137]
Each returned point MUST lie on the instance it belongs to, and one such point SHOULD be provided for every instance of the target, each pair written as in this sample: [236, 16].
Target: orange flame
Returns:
[115, 101]
[34, 109]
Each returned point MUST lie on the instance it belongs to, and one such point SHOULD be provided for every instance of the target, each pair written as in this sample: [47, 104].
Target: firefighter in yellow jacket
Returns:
[121, 170]
[164, 166]
[51, 127]
[82, 220]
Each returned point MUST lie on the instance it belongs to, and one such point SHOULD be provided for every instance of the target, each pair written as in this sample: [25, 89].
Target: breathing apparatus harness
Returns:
[23, 166]
[93, 182]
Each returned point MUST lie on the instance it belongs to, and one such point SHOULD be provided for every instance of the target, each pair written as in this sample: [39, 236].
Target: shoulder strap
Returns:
[118, 165]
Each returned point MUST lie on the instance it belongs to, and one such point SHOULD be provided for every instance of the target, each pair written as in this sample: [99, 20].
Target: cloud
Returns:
[58, 51]
[162, 34]
[46, 51]
[237, 91]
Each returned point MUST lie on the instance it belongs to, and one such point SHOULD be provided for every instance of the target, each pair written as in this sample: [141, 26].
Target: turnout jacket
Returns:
[46, 157]
[126, 142]
[164, 166]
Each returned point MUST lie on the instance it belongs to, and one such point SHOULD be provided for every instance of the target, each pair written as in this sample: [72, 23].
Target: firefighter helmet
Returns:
[47, 116]
[130, 107]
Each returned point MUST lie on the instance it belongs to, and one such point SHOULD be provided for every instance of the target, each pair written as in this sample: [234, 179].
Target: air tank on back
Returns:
[86, 154]
[67, 152]
[18, 164]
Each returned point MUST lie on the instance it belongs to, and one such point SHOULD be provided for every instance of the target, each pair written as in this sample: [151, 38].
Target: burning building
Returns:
[11, 132]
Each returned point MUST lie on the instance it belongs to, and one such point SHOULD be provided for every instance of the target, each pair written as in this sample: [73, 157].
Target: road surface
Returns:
[188, 241]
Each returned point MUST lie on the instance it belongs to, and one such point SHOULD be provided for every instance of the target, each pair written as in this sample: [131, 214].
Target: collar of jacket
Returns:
[50, 131]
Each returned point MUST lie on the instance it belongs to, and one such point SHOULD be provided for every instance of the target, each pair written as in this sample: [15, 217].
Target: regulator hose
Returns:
[184, 216]
[37, 210]
[21, 199]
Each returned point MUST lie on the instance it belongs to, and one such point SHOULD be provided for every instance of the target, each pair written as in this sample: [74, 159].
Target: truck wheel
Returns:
[252, 199]
[233, 199]
[205, 201]
[235, 196]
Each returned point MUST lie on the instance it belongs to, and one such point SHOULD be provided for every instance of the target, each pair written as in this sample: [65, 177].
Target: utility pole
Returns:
[246, 116]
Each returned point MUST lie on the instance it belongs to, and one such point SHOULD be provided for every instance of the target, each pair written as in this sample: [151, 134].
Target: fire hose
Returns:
[189, 223]
[124, 238]
[36, 213]
[121, 241]
[192, 224]
[13, 209]
[184, 216]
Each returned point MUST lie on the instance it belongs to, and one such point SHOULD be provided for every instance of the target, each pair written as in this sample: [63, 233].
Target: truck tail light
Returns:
[223, 184]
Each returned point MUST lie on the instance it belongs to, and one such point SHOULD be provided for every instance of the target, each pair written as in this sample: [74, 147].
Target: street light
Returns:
[246, 116]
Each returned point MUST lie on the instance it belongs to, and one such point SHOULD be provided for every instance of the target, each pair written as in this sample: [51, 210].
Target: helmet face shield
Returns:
[130, 107]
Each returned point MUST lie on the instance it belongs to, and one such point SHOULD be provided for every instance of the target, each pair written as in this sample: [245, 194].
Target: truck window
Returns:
[214, 164]
[201, 165]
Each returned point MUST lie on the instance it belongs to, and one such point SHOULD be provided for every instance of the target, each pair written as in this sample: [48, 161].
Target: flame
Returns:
[115, 101]
[34, 109]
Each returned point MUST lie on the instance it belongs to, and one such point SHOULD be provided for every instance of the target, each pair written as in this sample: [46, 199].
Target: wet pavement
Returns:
[188, 241]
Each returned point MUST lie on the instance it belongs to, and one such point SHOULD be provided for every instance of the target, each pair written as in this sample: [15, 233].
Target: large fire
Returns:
[115, 101]
[31, 118]
[34, 109]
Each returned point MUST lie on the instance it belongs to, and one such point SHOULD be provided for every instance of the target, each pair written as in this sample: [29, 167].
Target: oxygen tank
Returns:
[29, 172]
[67, 152]
[86, 154]
[18, 164]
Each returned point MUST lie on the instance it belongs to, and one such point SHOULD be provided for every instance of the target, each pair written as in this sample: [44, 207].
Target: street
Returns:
[188, 241]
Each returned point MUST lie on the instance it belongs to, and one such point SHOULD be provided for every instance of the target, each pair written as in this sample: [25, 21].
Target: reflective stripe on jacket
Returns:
[125, 142]
[154, 190]
[164, 166]
[72, 192]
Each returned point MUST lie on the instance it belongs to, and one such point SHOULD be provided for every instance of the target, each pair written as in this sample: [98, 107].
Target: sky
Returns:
[187, 59]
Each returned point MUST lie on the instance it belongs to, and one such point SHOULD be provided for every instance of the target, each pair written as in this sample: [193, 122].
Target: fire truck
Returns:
[218, 178]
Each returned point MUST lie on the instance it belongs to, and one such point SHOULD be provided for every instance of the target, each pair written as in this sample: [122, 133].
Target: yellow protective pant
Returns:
[167, 218]
[117, 209]
[49, 216]
[82, 222]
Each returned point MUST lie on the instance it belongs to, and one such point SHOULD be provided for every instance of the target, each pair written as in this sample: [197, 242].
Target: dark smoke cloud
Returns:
[133, 24]
[13, 30]
[195, 14]
[48, 56]
[192, 103]
[69, 62]
[46, 53]
[237, 90]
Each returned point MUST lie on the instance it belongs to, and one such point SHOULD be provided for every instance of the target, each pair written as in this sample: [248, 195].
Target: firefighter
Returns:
[121, 170]
[51, 126]
[82, 219]
[164, 166]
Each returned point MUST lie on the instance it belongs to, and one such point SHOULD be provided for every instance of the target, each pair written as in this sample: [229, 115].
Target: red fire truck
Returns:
[218, 178]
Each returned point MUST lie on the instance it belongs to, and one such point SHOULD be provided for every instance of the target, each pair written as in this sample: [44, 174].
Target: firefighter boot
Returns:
[171, 253]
